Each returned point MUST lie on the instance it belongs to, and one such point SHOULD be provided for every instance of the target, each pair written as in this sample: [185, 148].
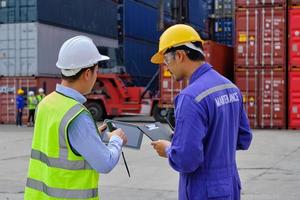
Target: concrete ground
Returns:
[270, 170]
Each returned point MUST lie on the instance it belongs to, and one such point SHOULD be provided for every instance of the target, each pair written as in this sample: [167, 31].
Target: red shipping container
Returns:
[257, 3]
[294, 100]
[272, 103]
[9, 87]
[273, 37]
[264, 96]
[294, 38]
[247, 37]
[294, 3]
[260, 37]
[218, 55]
[247, 81]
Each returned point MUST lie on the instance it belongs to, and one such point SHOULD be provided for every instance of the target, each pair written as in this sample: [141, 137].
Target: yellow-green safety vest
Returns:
[40, 97]
[55, 172]
[32, 102]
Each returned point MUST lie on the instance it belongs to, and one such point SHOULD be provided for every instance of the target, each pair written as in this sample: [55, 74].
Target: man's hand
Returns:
[160, 147]
[119, 133]
[102, 128]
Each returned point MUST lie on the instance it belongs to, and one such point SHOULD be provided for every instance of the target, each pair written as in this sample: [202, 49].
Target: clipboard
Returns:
[156, 131]
[133, 133]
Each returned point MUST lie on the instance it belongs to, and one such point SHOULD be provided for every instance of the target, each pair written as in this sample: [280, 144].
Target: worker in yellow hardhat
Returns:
[210, 120]
[67, 151]
[20, 104]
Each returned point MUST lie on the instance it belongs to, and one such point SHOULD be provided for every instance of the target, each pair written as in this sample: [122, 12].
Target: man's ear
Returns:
[180, 55]
[87, 74]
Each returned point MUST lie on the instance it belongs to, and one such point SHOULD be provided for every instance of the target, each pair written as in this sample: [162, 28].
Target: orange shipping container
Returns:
[9, 87]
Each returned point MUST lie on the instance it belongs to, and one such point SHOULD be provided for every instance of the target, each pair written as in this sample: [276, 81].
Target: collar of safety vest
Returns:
[200, 71]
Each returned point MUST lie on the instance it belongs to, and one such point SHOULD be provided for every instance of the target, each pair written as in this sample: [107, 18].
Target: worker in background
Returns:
[67, 152]
[211, 123]
[31, 103]
[20, 104]
[41, 95]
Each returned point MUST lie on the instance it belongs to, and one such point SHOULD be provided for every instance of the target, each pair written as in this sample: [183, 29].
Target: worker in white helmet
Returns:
[31, 103]
[67, 152]
[41, 94]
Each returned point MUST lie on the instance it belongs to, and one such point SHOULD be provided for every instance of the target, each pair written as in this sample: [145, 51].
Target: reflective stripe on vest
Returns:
[61, 193]
[213, 90]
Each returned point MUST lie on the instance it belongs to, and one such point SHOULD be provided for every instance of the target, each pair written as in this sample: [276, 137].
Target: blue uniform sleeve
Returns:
[84, 138]
[186, 152]
[245, 135]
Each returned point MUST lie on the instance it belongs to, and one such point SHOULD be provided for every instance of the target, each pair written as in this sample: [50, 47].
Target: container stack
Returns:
[294, 64]
[31, 33]
[222, 21]
[260, 60]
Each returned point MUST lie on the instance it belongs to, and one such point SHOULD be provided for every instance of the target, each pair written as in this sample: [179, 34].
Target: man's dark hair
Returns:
[76, 76]
[191, 53]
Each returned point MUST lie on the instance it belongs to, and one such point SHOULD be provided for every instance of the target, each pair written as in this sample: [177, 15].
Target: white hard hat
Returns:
[30, 93]
[77, 53]
[41, 90]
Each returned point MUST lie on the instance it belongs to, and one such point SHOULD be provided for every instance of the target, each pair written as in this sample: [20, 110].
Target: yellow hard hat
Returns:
[173, 36]
[20, 91]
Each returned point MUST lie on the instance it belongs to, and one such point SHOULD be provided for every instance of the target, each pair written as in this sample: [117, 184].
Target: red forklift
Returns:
[115, 95]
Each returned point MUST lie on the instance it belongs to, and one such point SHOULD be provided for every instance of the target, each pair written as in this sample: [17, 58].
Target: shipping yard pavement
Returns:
[270, 170]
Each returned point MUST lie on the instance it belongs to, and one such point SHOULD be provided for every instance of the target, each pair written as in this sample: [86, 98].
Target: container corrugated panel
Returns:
[50, 39]
[294, 100]
[223, 63]
[223, 31]
[18, 49]
[143, 27]
[223, 8]
[264, 96]
[28, 49]
[272, 104]
[155, 4]
[17, 11]
[93, 16]
[9, 87]
[258, 3]
[247, 81]
[261, 37]
[273, 37]
[294, 38]
[198, 14]
[137, 55]
[294, 3]
[247, 37]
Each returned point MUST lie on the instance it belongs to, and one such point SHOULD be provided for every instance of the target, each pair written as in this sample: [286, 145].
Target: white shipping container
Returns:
[31, 49]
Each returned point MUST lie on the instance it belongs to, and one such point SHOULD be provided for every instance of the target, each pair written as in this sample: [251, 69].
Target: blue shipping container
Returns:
[137, 55]
[93, 16]
[140, 21]
[223, 31]
[155, 4]
[223, 8]
[16, 11]
[198, 14]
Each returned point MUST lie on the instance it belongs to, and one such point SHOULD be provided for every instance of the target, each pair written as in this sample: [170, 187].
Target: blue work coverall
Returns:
[211, 125]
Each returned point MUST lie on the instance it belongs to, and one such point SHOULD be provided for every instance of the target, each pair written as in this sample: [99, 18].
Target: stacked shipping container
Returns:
[260, 60]
[222, 21]
[294, 65]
